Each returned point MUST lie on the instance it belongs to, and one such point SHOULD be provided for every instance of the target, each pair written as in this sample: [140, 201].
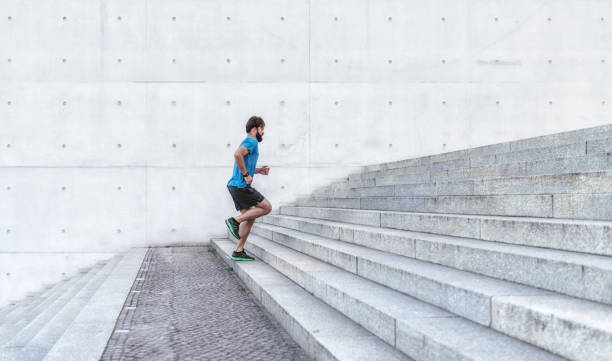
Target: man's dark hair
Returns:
[254, 122]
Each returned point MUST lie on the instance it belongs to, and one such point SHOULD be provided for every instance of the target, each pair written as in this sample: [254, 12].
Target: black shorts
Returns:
[245, 198]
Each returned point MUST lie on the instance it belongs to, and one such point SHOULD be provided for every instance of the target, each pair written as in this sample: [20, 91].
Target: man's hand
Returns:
[263, 170]
[248, 179]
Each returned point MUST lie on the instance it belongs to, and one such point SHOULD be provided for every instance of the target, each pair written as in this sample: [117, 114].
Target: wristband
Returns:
[246, 174]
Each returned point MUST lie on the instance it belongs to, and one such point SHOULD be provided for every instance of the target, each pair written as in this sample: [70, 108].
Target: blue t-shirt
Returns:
[249, 161]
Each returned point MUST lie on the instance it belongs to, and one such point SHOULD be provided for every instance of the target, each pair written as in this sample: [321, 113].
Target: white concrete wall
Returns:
[119, 118]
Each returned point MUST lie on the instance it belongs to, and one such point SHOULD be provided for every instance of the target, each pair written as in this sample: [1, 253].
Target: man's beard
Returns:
[259, 137]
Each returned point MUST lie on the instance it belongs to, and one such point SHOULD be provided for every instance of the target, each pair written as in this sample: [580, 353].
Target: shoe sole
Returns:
[229, 226]
[242, 259]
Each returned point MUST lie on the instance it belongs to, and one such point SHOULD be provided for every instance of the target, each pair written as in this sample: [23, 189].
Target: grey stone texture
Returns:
[492, 253]
[564, 234]
[600, 134]
[190, 307]
[390, 315]
[464, 294]
[565, 325]
[34, 340]
[89, 332]
[460, 292]
[24, 314]
[72, 319]
[324, 333]
[580, 275]
[31, 299]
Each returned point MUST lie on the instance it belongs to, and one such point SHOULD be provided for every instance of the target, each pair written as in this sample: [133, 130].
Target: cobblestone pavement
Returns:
[186, 305]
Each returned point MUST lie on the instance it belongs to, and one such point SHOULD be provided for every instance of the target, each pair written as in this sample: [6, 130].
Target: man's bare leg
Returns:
[262, 208]
[245, 229]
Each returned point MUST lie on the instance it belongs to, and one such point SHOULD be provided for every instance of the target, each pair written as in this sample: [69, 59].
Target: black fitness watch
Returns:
[246, 174]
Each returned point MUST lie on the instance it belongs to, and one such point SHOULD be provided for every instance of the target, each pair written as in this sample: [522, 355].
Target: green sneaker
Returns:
[241, 256]
[233, 226]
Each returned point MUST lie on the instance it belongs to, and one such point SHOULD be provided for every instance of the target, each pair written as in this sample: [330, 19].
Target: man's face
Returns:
[260, 133]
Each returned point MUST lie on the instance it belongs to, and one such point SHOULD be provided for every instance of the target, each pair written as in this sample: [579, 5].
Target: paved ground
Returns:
[186, 305]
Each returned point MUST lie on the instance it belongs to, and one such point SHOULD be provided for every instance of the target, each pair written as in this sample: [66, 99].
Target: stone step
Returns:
[590, 163]
[418, 189]
[591, 136]
[38, 320]
[583, 164]
[574, 274]
[567, 183]
[30, 298]
[6, 310]
[323, 332]
[505, 205]
[570, 183]
[418, 329]
[572, 206]
[338, 187]
[35, 340]
[536, 154]
[510, 205]
[557, 323]
[431, 279]
[33, 299]
[588, 134]
[18, 320]
[88, 333]
[593, 237]
[529, 155]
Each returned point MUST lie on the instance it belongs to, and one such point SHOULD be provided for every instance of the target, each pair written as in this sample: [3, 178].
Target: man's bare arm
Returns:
[263, 170]
[239, 158]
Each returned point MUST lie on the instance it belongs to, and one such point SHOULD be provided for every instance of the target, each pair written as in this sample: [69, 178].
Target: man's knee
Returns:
[266, 206]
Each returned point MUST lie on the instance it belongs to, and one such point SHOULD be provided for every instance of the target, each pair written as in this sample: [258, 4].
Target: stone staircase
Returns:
[73, 319]
[501, 252]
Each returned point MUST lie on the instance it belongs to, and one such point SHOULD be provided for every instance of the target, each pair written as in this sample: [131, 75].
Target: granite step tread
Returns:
[11, 307]
[565, 183]
[35, 343]
[553, 166]
[24, 332]
[588, 135]
[323, 332]
[587, 236]
[82, 341]
[529, 205]
[468, 281]
[18, 307]
[29, 296]
[541, 154]
[478, 298]
[592, 206]
[476, 289]
[574, 149]
[416, 328]
[19, 320]
[580, 164]
[575, 274]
